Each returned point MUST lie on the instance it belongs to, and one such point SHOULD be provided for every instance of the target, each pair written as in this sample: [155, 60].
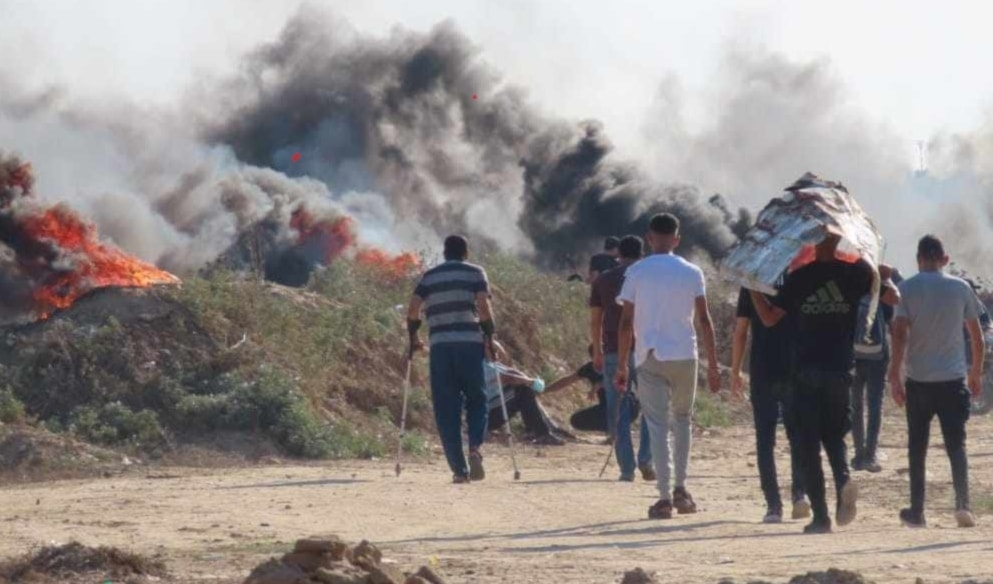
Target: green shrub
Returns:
[115, 423]
[11, 409]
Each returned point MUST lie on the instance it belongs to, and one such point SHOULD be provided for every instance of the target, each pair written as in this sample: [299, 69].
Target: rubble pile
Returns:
[331, 561]
[75, 562]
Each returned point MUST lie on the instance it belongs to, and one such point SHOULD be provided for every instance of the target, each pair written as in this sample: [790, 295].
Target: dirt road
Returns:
[558, 524]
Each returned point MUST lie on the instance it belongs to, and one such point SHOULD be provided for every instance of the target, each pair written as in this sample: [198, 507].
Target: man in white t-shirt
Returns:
[665, 303]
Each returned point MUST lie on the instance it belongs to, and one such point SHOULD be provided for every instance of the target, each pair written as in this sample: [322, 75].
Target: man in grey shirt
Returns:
[927, 331]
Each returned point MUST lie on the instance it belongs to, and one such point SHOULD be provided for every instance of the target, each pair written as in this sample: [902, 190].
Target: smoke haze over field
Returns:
[389, 133]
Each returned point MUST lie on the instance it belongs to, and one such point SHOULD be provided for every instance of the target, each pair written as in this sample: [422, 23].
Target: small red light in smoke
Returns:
[295, 157]
[474, 96]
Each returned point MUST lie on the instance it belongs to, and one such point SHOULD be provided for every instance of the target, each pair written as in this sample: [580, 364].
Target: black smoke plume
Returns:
[420, 120]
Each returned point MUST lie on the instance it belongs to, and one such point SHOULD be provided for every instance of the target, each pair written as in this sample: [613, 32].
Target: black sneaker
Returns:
[476, 470]
[460, 479]
[818, 526]
[548, 440]
[773, 514]
[857, 463]
[662, 509]
[626, 478]
[647, 472]
[872, 465]
[911, 519]
[683, 501]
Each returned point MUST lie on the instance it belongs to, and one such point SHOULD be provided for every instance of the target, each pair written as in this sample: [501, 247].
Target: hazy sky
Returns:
[918, 67]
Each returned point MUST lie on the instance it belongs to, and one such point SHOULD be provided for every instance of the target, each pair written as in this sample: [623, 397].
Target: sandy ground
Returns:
[559, 523]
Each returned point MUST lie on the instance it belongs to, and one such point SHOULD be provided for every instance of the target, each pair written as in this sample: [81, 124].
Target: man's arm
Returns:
[738, 344]
[414, 323]
[625, 340]
[978, 344]
[596, 334]
[890, 293]
[705, 326]
[562, 383]
[769, 314]
[484, 307]
[901, 330]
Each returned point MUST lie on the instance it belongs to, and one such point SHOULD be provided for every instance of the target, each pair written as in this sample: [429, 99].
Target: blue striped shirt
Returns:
[449, 294]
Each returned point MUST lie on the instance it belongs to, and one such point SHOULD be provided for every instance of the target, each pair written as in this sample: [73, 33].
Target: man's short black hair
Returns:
[456, 247]
[611, 243]
[631, 247]
[664, 224]
[930, 248]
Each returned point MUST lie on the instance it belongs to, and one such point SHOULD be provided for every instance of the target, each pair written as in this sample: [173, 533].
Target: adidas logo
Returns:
[827, 300]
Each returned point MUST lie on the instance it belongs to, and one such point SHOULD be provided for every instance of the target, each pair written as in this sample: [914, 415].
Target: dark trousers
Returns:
[768, 400]
[949, 400]
[867, 393]
[823, 417]
[457, 382]
[522, 400]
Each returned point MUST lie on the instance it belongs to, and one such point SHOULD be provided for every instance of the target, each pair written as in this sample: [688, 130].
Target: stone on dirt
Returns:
[430, 575]
[638, 576]
[832, 576]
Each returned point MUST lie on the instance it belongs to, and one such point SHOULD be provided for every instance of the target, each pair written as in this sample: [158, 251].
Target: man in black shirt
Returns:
[771, 394]
[605, 260]
[823, 297]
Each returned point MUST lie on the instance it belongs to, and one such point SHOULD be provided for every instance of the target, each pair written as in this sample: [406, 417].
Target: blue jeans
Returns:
[457, 382]
[868, 389]
[768, 400]
[623, 448]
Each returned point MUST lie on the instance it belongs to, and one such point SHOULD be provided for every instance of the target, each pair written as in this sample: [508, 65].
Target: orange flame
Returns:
[334, 235]
[395, 267]
[89, 264]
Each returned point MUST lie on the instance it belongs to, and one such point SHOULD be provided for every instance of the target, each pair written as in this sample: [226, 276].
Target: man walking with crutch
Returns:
[456, 300]
[605, 318]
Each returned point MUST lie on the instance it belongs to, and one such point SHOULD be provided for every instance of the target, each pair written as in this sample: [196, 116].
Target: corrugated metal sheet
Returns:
[790, 226]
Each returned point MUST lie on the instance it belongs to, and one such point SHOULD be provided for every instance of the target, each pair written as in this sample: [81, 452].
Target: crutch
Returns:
[510, 434]
[613, 435]
[403, 412]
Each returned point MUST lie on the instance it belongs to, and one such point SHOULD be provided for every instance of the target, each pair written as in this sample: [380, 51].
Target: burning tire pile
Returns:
[53, 256]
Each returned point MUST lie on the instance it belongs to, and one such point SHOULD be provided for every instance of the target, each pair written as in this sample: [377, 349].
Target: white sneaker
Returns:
[847, 509]
[801, 508]
[965, 518]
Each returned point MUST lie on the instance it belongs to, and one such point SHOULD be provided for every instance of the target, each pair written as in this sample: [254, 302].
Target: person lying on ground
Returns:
[521, 394]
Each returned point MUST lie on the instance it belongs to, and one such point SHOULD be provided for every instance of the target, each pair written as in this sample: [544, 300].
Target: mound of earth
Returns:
[331, 561]
[75, 562]
[25, 450]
